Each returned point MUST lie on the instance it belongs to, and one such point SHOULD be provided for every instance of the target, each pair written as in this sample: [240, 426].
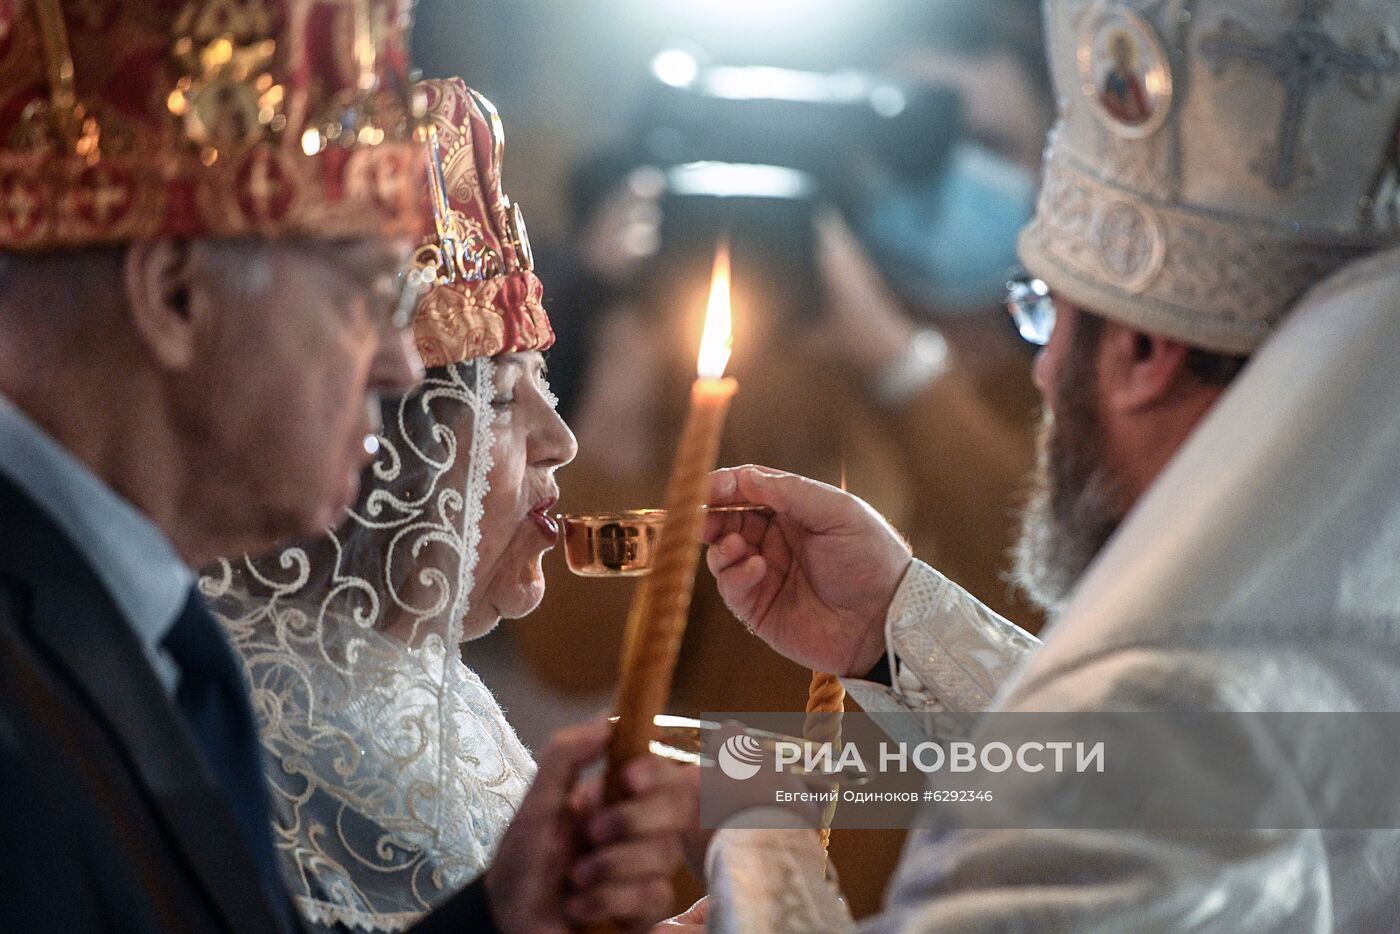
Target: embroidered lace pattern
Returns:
[394, 771]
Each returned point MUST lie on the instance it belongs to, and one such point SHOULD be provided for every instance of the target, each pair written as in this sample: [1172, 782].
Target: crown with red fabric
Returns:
[485, 298]
[122, 120]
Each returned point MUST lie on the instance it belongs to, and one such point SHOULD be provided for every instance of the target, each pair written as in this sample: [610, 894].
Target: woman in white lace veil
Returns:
[394, 771]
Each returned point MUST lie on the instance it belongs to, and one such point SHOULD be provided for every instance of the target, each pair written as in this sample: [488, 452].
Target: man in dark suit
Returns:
[198, 308]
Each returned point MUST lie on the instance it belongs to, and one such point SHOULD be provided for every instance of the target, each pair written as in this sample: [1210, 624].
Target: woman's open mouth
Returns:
[546, 523]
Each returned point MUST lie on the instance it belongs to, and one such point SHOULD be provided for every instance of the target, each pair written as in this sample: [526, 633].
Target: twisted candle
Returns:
[657, 618]
[659, 610]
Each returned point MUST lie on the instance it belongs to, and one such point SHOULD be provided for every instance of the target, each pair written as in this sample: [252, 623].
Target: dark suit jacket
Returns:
[109, 819]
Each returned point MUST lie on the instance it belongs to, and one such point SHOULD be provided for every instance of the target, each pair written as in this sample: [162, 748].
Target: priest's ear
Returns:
[158, 276]
[1140, 371]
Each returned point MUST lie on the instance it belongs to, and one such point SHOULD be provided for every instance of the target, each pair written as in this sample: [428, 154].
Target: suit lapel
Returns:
[78, 627]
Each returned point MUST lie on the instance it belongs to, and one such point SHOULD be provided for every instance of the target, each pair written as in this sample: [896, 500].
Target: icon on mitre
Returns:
[1125, 72]
[1122, 92]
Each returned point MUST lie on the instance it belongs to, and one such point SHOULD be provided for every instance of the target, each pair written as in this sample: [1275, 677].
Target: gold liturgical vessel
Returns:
[622, 544]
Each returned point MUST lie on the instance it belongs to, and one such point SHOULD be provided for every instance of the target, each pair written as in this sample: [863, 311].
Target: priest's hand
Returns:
[566, 861]
[693, 919]
[815, 579]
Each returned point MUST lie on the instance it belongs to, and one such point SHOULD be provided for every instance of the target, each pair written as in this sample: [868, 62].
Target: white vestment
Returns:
[1260, 573]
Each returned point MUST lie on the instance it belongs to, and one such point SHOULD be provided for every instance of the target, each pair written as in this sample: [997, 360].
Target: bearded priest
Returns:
[1216, 519]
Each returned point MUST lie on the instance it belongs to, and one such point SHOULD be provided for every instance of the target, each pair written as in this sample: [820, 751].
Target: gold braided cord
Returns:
[826, 700]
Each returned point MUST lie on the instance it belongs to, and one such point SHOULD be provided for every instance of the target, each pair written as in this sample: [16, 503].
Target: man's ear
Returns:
[1138, 371]
[156, 275]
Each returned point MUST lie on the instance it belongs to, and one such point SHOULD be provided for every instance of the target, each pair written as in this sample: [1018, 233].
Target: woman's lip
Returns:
[546, 523]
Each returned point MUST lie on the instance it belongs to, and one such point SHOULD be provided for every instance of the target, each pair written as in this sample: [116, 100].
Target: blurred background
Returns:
[869, 162]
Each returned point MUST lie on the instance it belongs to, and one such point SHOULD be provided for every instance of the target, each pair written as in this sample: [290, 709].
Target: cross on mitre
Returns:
[1305, 59]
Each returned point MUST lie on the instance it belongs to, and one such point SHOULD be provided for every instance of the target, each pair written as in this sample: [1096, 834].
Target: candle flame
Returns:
[717, 342]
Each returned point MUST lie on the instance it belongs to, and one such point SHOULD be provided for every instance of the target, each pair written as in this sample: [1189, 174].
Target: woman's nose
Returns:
[557, 444]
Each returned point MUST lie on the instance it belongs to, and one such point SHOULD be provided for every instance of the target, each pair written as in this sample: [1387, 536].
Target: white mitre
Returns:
[1215, 158]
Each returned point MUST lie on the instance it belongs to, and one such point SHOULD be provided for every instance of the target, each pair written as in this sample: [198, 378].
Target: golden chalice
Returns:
[622, 544]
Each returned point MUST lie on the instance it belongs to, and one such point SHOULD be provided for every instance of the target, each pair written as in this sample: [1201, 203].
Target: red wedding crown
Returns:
[122, 120]
[485, 298]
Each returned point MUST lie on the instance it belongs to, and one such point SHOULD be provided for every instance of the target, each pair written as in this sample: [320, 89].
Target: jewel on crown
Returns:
[226, 98]
[368, 113]
[454, 254]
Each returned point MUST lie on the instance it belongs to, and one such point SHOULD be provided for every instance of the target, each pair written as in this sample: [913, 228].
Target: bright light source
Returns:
[675, 67]
[647, 182]
[888, 101]
[764, 83]
[738, 180]
[760, 82]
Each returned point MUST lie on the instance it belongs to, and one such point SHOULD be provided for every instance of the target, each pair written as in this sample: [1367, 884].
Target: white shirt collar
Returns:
[132, 557]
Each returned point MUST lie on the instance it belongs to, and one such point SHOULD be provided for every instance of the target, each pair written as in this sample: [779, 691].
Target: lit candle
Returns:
[659, 609]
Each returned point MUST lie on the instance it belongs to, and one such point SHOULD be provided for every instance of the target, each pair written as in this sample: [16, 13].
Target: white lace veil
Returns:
[393, 770]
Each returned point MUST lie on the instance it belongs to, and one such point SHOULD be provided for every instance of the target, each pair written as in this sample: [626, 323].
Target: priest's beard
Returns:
[1072, 511]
